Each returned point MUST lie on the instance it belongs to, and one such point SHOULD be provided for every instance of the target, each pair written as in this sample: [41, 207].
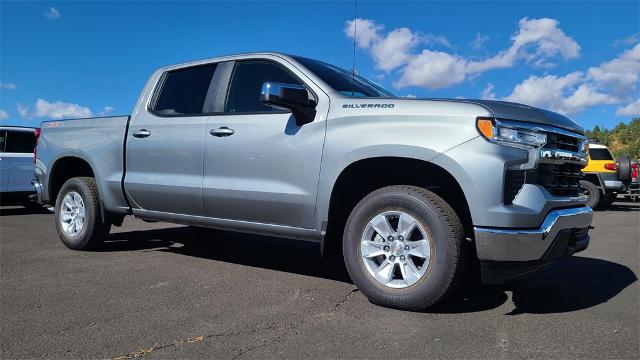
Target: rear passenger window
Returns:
[20, 142]
[184, 91]
[600, 154]
[246, 83]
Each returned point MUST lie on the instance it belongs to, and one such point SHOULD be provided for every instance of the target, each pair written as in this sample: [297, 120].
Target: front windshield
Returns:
[343, 81]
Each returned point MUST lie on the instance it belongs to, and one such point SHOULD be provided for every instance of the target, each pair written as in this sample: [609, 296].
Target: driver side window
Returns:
[246, 83]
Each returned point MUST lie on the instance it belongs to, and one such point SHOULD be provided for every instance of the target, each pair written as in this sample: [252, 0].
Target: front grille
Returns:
[558, 179]
[558, 168]
[562, 142]
[513, 181]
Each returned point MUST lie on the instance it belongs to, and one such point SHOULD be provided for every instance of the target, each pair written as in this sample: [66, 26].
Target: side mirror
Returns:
[292, 97]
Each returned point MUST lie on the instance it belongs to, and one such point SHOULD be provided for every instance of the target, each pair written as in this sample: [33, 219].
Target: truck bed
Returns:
[98, 141]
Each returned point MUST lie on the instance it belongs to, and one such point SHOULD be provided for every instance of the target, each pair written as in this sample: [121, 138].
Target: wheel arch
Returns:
[363, 176]
[596, 179]
[64, 168]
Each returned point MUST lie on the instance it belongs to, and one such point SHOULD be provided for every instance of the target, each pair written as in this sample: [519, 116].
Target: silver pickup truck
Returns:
[411, 191]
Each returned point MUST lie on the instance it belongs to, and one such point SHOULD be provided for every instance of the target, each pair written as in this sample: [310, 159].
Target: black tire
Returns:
[623, 164]
[447, 262]
[95, 230]
[592, 192]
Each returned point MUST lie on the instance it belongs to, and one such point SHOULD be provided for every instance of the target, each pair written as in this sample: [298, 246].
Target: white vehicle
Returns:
[16, 164]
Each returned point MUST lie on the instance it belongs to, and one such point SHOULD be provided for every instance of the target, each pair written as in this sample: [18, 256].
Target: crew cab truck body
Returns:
[410, 190]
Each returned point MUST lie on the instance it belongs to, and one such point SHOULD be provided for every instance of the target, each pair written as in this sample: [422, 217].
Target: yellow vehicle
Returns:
[600, 182]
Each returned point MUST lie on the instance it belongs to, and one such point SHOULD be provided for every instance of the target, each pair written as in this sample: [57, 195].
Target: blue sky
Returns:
[71, 59]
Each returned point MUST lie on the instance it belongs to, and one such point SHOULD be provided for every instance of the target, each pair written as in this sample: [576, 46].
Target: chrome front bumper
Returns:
[513, 245]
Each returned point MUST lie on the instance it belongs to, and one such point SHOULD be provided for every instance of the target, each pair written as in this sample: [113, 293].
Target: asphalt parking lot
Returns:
[158, 291]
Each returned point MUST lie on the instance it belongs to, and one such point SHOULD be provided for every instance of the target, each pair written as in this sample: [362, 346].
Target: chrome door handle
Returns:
[222, 131]
[142, 133]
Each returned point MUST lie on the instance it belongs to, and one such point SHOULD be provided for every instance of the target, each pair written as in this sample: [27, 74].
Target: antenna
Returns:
[355, 33]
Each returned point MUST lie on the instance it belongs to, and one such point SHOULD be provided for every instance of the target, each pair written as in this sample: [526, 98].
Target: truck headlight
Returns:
[509, 134]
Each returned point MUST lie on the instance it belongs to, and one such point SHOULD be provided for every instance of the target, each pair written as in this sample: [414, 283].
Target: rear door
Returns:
[165, 144]
[19, 145]
[259, 165]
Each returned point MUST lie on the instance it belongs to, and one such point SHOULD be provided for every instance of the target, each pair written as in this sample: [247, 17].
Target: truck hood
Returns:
[514, 111]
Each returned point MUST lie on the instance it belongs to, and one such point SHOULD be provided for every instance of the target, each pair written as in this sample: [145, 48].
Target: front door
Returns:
[259, 166]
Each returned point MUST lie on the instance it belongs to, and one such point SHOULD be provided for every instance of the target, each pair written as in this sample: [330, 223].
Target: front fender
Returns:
[402, 133]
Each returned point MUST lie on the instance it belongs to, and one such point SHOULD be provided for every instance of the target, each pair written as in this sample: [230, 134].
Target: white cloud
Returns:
[564, 94]
[436, 39]
[537, 41]
[548, 91]
[487, 92]
[433, 70]
[106, 111]
[631, 40]
[54, 110]
[3, 115]
[620, 75]
[23, 110]
[611, 82]
[389, 51]
[365, 31]
[632, 109]
[479, 41]
[393, 50]
[8, 86]
[52, 13]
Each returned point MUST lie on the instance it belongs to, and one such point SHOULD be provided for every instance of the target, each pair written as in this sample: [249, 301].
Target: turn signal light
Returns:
[485, 126]
[610, 166]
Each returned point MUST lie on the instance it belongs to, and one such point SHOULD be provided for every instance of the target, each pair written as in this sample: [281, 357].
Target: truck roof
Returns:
[227, 58]
[596, 146]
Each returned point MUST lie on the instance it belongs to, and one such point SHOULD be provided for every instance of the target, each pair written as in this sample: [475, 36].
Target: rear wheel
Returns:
[403, 247]
[592, 192]
[77, 215]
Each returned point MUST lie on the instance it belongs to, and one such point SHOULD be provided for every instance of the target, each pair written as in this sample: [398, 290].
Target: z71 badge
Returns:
[54, 124]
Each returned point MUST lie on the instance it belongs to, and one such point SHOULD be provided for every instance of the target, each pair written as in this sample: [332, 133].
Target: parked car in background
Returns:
[600, 182]
[17, 145]
[633, 189]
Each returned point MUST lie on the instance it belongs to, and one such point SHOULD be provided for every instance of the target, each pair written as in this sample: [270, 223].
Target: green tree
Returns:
[623, 139]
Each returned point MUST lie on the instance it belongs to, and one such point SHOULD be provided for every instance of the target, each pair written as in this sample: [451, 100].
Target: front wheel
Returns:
[77, 214]
[403, 247]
